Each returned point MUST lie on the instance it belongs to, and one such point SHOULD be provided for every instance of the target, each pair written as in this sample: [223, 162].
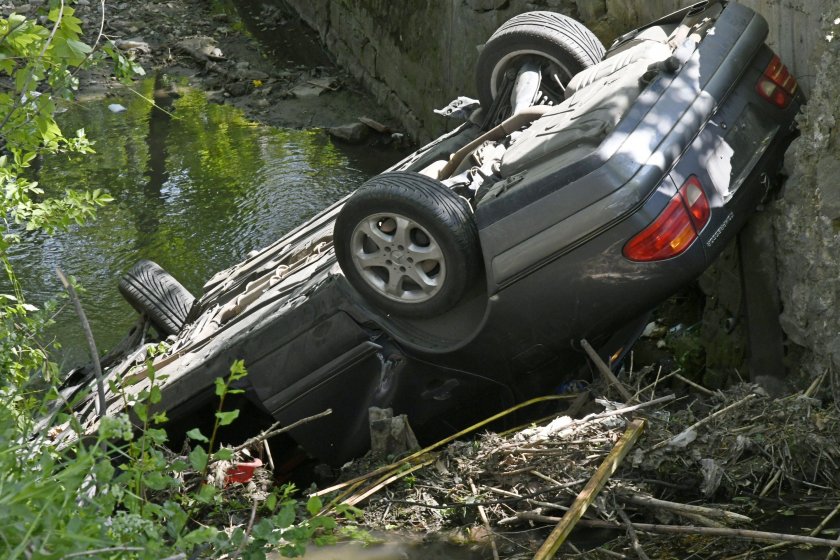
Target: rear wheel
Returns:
[558, 44]
[407, 244]
[157, 294]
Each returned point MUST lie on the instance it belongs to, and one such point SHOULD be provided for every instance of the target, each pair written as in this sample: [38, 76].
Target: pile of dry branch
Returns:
[652, 476]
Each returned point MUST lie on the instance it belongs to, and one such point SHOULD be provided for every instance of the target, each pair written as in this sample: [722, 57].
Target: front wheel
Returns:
[407, 244]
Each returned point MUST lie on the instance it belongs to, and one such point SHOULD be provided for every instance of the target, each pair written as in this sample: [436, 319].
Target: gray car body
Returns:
[551, 236]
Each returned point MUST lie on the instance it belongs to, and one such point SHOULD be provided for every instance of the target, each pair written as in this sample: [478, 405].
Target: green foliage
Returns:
[116, 492]
[57, 503]
[37, 66]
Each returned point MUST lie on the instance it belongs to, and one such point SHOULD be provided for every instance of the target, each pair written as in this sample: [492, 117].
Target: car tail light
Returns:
[675, 229]
[777, 85]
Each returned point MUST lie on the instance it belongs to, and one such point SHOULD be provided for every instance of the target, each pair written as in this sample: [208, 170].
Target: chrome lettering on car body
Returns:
[720, 229]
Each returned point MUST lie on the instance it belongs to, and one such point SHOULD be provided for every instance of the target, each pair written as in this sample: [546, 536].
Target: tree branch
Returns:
[94, 353]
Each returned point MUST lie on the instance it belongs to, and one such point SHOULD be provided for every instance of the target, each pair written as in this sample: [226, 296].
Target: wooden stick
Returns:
[773, 480]
[708, 418]
[483, 513]
[697, 386]
[531, 501]
[273, 430]
[370, 490]
[812, 389]
[268, 455]
[94, 353]
[744, 534]
[713, 513]
[606, 372]
[652, 386]
[590, 491]
[817, 530]
[631, 532]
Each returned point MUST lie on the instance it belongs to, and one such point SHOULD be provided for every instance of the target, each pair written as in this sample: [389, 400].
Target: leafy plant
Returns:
[117, 491]
[59, 503]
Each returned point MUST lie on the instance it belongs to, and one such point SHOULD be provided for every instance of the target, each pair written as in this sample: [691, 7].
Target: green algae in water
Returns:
[196, 185]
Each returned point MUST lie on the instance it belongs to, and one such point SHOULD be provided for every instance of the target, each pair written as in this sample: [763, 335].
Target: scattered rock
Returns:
[201, 48]
[133, 45]
[324, 82]
[353, 133]
[306, 90]
[389, 434]
[116, 108]
[253, 75]
[237, 89]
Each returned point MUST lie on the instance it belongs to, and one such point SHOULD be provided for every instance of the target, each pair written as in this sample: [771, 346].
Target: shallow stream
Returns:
[196, 186]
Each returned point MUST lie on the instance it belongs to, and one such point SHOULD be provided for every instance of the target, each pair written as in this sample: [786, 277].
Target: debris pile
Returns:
[701, 474]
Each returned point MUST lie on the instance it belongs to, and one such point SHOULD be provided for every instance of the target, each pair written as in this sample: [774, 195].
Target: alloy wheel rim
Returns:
[398, 258]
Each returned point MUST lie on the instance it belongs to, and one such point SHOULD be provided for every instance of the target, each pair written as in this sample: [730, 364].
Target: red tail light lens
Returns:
[777, 85]
[675, 229]
[696, 202]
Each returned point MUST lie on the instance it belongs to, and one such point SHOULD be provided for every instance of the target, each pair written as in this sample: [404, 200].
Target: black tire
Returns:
[566, 44]
[155, 293]
[408, 244]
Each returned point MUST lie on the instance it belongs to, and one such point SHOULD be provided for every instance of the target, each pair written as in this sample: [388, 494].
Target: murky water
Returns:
[395, 549]
[195, 185]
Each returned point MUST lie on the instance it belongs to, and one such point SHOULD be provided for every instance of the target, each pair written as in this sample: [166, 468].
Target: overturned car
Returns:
[584, 188]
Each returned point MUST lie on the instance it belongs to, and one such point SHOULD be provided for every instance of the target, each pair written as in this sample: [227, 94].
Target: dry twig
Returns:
[705, 420]
[631, 532]
[273, 430]
[94, 353]
[817, 530]
[697, 386]
[590, 491]
[712, 513]
[483, 514]
[743, 534]
[606, 372]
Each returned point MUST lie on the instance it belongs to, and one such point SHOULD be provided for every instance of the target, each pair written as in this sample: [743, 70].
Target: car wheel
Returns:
[407, 244]
[157, 294]
[562, 47]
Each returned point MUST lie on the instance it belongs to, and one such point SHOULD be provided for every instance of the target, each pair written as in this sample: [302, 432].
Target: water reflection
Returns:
[195, 185]
[396, 547]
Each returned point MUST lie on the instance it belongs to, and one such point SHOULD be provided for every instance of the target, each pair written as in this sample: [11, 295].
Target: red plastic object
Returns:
[242, 472]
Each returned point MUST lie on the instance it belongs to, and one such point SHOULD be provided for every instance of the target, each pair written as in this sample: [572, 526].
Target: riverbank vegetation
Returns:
[118, 491]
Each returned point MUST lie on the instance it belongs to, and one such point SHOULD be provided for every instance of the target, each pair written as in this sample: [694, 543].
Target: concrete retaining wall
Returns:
[417, 55]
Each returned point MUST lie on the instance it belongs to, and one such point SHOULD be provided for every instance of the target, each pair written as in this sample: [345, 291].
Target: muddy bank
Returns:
[246, 54]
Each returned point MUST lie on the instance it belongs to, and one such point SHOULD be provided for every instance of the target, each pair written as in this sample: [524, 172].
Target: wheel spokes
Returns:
[398, 258]
[426, 284]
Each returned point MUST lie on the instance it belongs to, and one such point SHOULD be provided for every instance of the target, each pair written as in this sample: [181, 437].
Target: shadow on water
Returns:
[195, 185]
[278, 29]
[148, 215]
